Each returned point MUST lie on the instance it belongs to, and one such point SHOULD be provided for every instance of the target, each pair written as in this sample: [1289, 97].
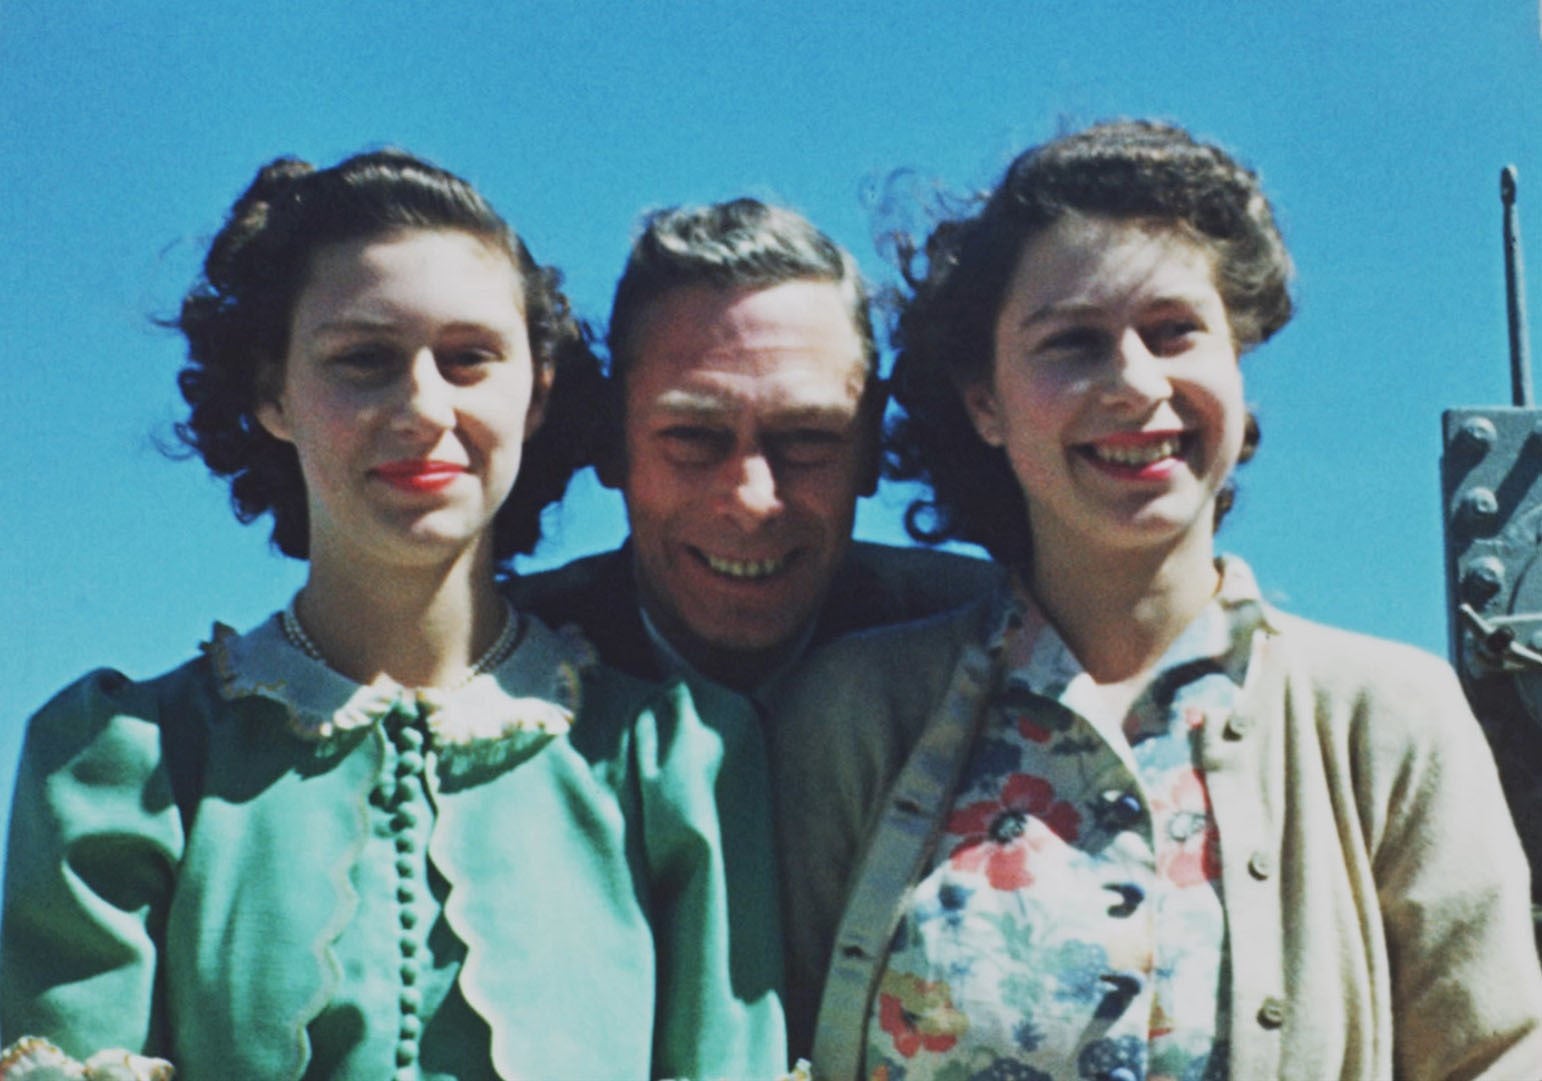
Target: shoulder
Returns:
[881, 584]
[877, 654]
[1350, 670]
[598, 595]
[561, 588]
[106, 699]
[881, 682]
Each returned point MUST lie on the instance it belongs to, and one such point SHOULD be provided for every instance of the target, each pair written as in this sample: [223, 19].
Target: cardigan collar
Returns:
[1036, 660]
[530, 697]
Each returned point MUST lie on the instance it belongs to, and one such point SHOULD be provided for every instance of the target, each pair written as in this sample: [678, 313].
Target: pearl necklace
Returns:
[492, 657]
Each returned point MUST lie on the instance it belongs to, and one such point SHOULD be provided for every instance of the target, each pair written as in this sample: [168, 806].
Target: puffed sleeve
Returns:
[707, 821]
[1454, 890]
[95, 839]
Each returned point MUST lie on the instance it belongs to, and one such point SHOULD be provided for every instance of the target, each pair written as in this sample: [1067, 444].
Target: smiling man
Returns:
[748, 408]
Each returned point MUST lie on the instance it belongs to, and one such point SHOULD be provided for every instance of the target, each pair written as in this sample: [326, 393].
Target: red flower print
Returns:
[1189, 849]
[918, 1015]
[998, 834]
[1038, 733]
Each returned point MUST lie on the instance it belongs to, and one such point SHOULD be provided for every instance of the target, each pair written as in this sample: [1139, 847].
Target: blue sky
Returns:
[128, 126]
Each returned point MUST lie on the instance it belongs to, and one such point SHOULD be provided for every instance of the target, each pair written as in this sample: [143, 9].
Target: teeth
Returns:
[746, 568]
[1141, 454]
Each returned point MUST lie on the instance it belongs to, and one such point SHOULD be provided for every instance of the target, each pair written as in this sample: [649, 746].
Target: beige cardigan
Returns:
[1376, 894]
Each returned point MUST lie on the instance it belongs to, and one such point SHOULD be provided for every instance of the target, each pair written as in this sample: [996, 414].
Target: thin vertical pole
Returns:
[1515, 292]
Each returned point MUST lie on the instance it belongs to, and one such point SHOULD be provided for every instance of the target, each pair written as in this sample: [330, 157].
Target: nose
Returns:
[427, 397]
[1136, 375]
[753, 497]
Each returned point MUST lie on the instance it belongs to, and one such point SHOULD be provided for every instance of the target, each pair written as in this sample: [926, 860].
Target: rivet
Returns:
[1482, 579]
[1477, 434]
[1480, 506]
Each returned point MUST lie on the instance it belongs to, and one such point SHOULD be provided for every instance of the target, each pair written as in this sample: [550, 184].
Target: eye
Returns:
[365, 363]
[694, 444]
[466, 361]
[805, 447]
[1074, 341]
[1171, 335]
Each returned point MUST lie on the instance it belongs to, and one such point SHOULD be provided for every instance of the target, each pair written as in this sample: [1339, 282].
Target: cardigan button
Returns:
[406, 1052]
[409, 737]
[1272, 1013]
[410, 1001]
[1261, 865]
[409, 974]
[405, 817]
[410, 1026]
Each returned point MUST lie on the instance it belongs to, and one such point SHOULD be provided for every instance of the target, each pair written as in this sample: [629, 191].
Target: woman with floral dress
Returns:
[1127, 820]
[398, 829]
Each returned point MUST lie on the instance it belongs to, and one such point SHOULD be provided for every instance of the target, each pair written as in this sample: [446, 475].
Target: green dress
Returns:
[253, 867]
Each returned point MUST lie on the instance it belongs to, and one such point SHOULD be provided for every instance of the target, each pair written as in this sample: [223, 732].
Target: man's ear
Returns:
[610, 435]
[979, 399]
[545, 376]
[875, 400]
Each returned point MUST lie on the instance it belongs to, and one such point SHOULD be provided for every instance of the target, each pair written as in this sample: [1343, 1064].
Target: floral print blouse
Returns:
[1070, 923]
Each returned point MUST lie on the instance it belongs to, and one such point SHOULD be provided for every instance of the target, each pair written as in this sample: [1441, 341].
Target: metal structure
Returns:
[1491, 488]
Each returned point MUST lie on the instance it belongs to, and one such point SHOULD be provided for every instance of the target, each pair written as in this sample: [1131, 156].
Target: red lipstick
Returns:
[419, 474]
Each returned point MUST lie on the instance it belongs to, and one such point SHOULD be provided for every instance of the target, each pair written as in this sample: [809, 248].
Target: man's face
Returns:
[746, 449]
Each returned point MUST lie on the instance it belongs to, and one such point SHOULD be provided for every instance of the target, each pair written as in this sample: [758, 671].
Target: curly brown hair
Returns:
[1140, 170]
[236, 320]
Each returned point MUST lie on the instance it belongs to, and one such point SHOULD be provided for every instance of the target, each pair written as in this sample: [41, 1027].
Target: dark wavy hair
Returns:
[1139, 170]
[236, 319]
[739, 244]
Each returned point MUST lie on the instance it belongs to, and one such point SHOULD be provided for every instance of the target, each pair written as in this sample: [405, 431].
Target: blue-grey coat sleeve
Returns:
[95, 840]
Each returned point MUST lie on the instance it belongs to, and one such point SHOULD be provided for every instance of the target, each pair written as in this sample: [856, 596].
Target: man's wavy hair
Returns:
[236, 319]
[1136, 170]
[739, 244]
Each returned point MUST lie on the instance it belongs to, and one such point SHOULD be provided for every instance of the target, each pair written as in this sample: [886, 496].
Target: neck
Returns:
[1119, 611]
[419, 626]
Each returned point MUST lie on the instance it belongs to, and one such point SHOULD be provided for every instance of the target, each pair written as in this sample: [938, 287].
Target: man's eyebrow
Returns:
[692, 403]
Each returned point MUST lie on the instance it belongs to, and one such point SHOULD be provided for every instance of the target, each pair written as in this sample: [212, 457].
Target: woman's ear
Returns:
[540, 394]
[980, 403]
[270, 406]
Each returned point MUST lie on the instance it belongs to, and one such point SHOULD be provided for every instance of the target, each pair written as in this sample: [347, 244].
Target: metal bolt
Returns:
[1480, 506]
[1482, 579]
[1477, 434]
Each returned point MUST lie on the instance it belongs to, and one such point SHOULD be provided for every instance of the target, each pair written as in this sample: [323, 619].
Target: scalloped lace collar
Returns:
[534, 692]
